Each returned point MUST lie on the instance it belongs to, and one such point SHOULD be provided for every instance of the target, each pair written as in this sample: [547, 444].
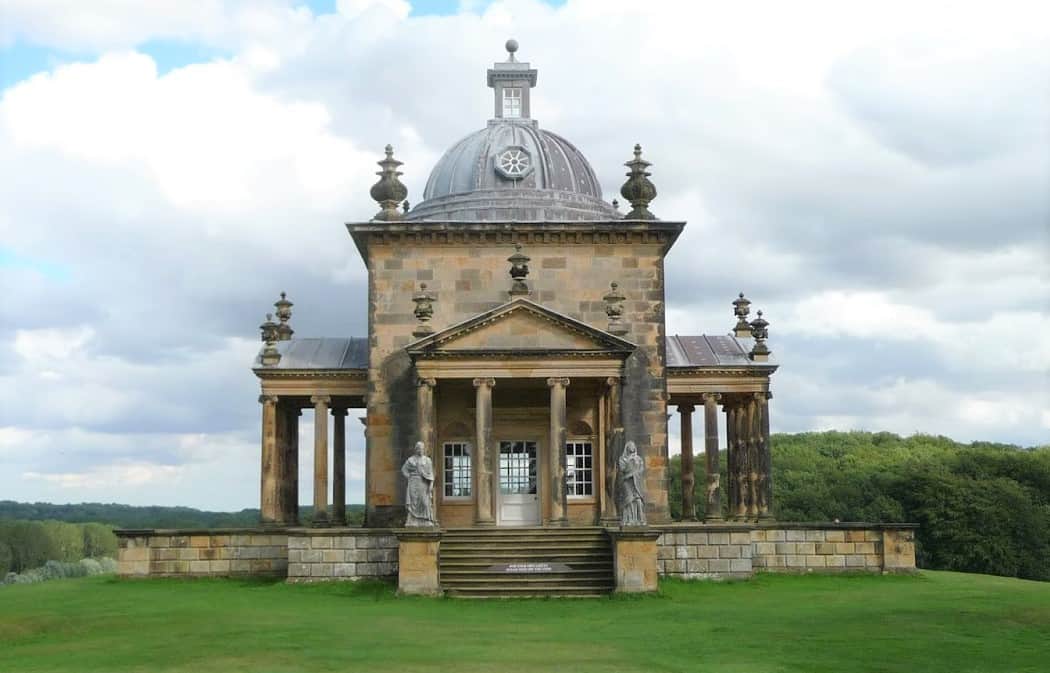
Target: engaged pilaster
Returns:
[685, 412]
[425, 412]
[481, 466]
[613, 446]
[320, 403]
[556, 452]
[712, 487]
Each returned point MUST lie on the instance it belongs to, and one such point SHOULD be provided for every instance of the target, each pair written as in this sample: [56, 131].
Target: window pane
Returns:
[457, 469]
[579, 473]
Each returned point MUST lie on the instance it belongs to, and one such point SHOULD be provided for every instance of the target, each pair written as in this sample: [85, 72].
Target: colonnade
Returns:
[280, 461]
[749, 482]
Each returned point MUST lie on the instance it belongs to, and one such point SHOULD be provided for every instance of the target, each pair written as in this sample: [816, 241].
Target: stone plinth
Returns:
[418, 562]
[634, 559]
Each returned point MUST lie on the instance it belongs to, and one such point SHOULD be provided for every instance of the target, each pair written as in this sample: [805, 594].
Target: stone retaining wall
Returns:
[318, 555]
[202, 553]
[719, 551]
[705, 552]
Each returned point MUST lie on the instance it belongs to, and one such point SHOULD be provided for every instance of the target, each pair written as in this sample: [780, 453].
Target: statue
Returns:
[632, 487]
[419, 496]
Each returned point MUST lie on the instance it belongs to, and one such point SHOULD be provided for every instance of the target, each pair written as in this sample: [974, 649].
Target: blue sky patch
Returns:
[51, 270]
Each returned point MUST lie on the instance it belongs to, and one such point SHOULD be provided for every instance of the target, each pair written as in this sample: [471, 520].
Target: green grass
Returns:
[937, 621]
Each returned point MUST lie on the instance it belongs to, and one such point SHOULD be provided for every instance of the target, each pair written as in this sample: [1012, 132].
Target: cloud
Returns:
[877, 185]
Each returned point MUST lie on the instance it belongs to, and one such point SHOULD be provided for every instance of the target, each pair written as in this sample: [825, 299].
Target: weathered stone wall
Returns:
[202, 553]
[722, 551]
[319, 555]
[705, 552]
[815, 549]
[468, 273]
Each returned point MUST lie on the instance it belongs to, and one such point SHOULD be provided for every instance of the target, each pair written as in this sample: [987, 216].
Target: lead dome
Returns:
[512, 169]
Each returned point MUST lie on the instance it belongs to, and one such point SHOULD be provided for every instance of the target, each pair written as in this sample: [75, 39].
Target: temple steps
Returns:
[495, 562]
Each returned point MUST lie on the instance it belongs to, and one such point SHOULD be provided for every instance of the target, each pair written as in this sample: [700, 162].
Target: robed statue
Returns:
[632, 487]
[419, 495]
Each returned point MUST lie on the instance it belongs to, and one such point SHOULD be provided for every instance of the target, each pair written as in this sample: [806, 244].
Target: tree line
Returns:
[981, 507]
[32, 544]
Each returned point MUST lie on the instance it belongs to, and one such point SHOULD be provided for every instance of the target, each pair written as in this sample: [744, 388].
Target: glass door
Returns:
[519, 501]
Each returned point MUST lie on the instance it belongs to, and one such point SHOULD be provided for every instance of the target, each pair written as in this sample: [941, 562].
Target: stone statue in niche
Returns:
[632, 487]
[419, 496]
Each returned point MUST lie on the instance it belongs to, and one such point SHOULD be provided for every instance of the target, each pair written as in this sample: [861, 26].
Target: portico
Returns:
[528, 444]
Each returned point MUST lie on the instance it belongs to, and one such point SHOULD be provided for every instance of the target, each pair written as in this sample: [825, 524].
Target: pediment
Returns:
[521, 327]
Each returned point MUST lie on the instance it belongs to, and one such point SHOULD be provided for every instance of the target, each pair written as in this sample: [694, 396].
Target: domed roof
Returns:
[512, 169]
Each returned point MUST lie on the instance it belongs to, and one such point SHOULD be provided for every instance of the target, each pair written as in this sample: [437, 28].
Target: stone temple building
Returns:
[516, 328]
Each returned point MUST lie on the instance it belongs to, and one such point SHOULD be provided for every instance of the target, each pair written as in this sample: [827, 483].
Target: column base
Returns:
[557, 523]
[609, 522]
[320, 522]
[484, 524]
[714, 519]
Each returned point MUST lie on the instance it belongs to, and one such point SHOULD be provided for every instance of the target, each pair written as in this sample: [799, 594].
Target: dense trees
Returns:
[982, 507]
[31, 544]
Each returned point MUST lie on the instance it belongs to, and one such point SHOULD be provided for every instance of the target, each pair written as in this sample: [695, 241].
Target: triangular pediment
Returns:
[521, 327]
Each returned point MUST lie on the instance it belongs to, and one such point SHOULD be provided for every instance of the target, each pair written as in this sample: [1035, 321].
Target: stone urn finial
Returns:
[284, 314]
[424, 311]
[519, 271]
[741, 309]
[638, 189]
[614, 309]
[760, 332]
[389, 191]
[270, 355]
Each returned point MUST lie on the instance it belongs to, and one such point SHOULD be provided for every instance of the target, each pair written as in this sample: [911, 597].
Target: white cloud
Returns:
[111, 477]
[805, 149]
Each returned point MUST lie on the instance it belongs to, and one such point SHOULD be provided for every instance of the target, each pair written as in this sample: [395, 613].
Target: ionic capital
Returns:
[686, 408]
[487, 382]
[268, 399]
[320, 399]
[558, 381]
[339, 411]
[613, 381]
[426, 381]
[714, 397]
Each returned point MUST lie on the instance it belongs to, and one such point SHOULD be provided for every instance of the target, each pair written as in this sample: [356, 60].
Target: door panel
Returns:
[519, 500]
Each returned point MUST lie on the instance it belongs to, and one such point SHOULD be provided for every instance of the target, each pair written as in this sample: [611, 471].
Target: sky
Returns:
[874, 176]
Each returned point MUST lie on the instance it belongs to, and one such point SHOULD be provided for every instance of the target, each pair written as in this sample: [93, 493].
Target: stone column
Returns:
[481, 465]
[765, 510]
[731, 483]
[740, 469]
[712, 489]
[320, 403]
[290, 474]
[688, 478]
[754, 426]
[339, 466]
[268, 500]
[559, 504]
[613, 446]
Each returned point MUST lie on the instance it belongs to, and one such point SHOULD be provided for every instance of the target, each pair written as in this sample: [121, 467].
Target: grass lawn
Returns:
[937, 621]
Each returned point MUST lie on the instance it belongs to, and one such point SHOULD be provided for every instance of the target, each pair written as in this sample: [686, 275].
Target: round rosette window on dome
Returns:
[514, 162]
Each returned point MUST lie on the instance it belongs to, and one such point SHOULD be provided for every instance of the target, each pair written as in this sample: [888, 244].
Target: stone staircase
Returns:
[502, 562]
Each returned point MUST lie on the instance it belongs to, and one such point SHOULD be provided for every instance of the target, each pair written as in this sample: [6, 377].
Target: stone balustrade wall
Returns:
[720, 551]
[202, 553]
[318, 555]
[702, 552]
